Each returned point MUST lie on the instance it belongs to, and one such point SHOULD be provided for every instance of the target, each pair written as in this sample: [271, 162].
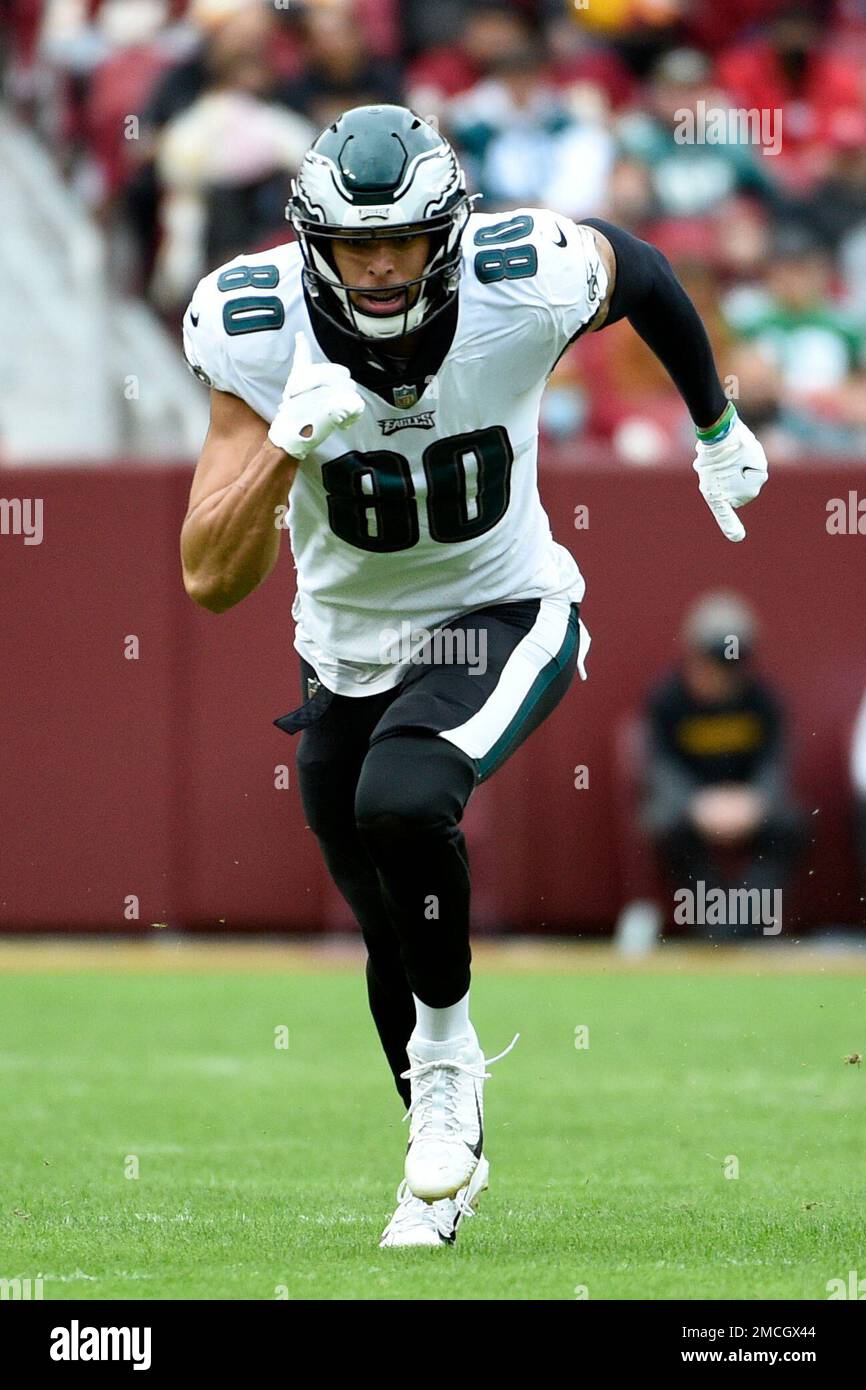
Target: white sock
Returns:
[441, 1025]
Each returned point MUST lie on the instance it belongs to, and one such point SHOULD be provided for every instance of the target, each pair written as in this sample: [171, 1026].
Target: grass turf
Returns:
[265, 1172]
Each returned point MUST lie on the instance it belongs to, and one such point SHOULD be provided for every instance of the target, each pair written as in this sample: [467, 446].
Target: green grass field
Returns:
[261, 1168]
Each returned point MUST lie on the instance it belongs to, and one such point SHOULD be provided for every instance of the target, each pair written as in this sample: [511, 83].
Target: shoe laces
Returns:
[440, 1079]
[463, 1205]
[412, 1211]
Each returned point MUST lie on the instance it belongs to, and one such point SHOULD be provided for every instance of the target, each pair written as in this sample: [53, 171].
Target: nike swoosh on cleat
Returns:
[479, 1146]
[562, 241]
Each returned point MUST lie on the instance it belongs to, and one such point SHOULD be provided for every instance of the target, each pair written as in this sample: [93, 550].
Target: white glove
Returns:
[317, 399]
[731, 473]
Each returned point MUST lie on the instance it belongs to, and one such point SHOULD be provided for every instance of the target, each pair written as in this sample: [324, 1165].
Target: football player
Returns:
[384, 373]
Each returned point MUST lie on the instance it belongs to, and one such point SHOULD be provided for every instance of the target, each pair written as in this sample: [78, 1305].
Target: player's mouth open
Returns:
[382, 301]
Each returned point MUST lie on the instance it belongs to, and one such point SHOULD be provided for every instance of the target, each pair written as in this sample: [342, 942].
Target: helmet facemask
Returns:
[437, 283]
[380, 171]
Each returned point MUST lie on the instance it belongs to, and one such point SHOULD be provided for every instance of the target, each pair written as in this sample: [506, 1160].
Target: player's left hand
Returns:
[731, 473]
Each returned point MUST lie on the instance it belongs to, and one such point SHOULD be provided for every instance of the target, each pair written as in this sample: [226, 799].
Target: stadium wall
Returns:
[152, 770]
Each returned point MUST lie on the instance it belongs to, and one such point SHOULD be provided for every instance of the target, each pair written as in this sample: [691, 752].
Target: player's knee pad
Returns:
[410, 785]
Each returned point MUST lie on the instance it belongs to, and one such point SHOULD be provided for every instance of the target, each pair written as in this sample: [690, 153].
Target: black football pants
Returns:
[384, 781]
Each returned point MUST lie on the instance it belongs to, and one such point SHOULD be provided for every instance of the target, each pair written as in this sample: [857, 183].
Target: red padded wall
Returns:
[155, 777]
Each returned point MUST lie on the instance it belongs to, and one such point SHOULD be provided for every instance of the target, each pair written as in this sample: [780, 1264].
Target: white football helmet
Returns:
[380, 171]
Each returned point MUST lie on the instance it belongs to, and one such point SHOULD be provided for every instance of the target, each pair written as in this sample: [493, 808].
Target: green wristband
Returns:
[720, 428]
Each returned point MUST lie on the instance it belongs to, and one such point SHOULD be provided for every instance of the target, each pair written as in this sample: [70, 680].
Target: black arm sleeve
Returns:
[650, 296]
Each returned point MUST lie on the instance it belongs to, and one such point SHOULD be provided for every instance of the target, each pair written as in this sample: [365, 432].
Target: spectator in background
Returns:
[226, 29]
[239, 46]
[795, 68]
[796, 364]
[744, 240]
[690, 179]
[579, 57]
[338, 71]
[835, 208]
[853, 267]
[788, 425]
[81, 41]
[761, 400]
[489, 31]
[425, 27]
[639, 30]
[527, 85]
[522, 146]
[631, 201]
[78, 35]
[718, 807]
[224, 165]
[795, 324]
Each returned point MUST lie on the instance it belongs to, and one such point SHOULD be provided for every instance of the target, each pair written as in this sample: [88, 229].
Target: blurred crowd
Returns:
[181, 123]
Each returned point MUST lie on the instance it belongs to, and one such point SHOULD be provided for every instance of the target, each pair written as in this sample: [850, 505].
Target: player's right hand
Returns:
[318, 398]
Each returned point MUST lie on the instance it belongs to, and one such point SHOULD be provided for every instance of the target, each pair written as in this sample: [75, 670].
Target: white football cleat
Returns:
[416, 1223]
[446, 1134]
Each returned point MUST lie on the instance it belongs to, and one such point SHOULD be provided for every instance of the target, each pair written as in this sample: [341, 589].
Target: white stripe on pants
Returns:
[533, 652]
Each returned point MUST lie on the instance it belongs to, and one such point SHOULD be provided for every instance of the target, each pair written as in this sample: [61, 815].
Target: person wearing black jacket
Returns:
[718, 807]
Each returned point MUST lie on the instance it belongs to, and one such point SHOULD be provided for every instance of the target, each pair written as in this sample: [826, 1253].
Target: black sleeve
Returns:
[650, 296]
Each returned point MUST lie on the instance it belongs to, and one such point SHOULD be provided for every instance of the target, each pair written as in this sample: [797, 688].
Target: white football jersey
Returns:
[427, 506]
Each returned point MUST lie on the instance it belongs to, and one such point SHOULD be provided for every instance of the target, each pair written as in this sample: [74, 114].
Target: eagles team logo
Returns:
[424, 421]
[405, 397]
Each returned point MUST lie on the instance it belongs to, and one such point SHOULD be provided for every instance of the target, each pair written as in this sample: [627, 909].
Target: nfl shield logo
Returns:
[405, 397]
